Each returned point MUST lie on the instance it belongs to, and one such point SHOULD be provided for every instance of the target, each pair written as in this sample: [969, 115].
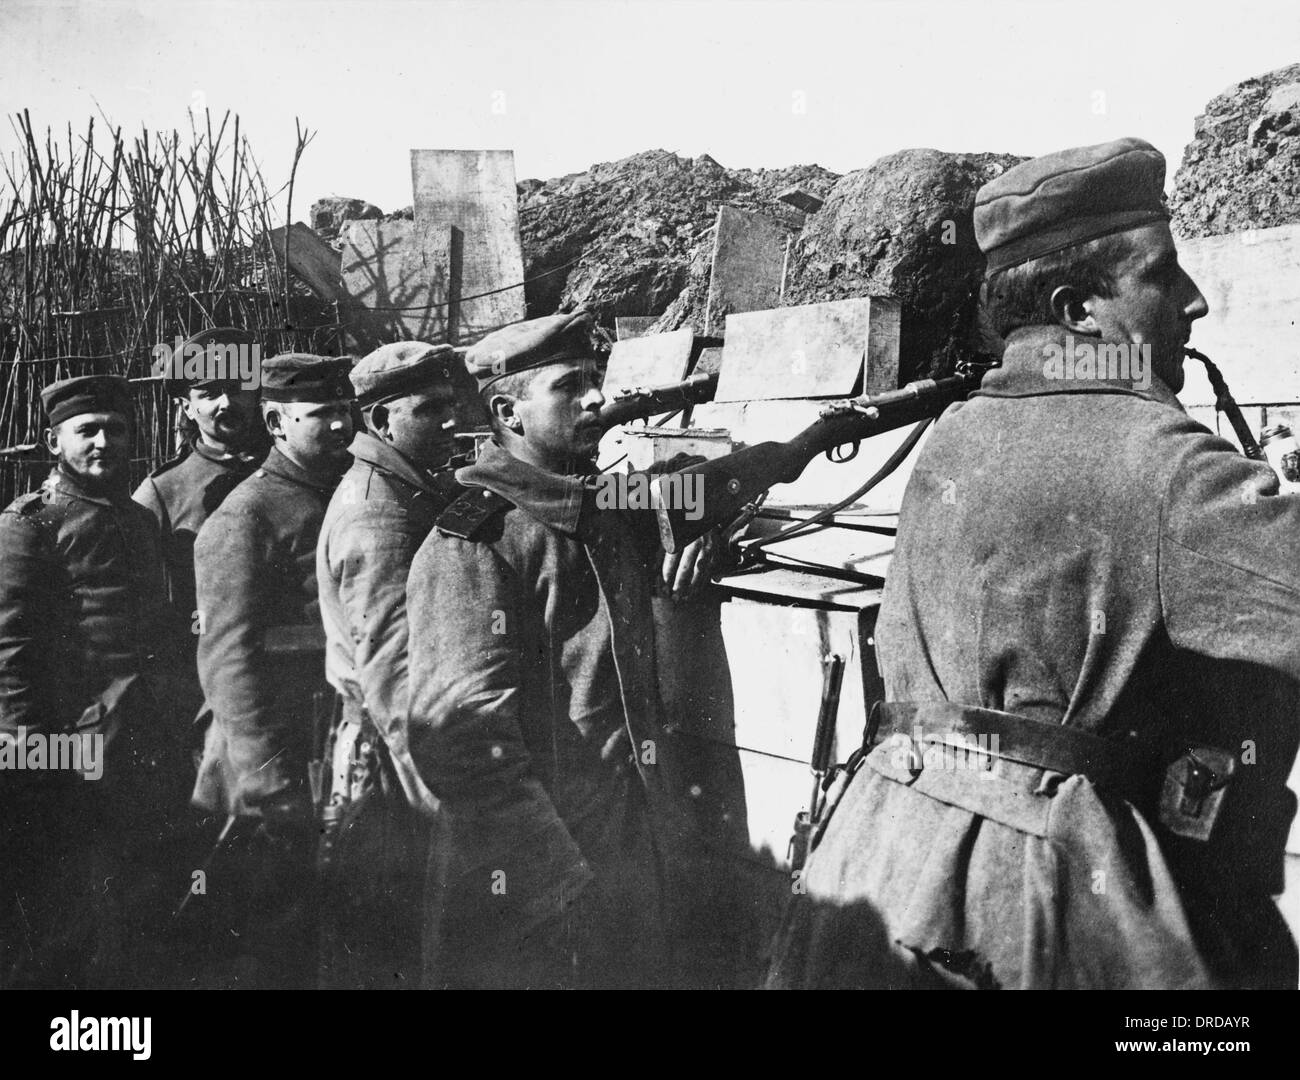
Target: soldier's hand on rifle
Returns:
[686, 571]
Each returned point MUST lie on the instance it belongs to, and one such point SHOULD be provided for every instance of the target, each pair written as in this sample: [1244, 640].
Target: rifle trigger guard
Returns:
[834, 454]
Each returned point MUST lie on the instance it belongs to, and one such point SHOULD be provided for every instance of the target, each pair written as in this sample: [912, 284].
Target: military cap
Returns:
[174, 380]
[1051, 203]
[305, 377]
[87, 394]
[530, 344]
[401, 368]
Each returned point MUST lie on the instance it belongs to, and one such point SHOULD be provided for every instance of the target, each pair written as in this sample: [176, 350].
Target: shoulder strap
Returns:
[170, 463]
[467, 514]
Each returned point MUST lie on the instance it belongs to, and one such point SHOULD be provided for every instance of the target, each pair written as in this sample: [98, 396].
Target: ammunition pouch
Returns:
[1182, 786]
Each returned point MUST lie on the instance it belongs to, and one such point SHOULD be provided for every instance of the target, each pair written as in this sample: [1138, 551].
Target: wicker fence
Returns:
[110, 246]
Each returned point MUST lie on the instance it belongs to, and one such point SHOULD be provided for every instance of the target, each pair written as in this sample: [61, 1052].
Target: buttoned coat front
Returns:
[535, 719]
[1081, 552]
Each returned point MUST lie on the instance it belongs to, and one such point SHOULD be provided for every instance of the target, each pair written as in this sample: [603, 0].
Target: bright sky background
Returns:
[584, 81]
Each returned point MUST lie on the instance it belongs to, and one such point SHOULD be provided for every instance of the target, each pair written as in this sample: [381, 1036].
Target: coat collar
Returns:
[226, 461]
[1023, 371]
[69, 485]
[278, 465]
[554, 500]
[375, 452]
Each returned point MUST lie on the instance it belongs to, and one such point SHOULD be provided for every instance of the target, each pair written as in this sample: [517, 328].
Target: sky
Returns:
[567, 83]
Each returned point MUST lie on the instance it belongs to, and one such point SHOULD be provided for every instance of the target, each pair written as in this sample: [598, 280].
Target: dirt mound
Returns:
[621, 237]
[903, 227]
[635, 237]
[1242, 168]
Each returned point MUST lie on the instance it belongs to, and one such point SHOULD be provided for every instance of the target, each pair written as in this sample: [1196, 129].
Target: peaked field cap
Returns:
[530, 344]
[216, 335]
[306, 377]
[401, 368]
[1054, 202]
[87, 394]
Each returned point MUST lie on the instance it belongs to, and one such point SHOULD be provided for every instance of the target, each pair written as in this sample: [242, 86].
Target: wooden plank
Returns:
[403, 277]
[653, 360]
[474, 190]
[312, 259]
[748, 261]
[814, 350]
[1251, 281]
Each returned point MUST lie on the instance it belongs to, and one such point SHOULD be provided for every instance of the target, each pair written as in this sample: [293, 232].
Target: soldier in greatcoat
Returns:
[87, 770]
[377, 807]
[261, 665]
[1103, 598]
[229, 441]
[534, 707]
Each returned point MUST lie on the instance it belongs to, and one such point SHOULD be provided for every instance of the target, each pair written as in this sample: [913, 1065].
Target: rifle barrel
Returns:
[733, 481]
[642, 403]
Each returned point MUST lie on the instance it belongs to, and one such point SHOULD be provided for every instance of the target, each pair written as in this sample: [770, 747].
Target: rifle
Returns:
[642, 402]
[823, 740]
[732, 482]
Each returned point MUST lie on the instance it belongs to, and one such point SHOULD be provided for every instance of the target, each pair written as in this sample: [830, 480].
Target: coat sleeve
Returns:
[370, 549]
[468, 643]
[250, 735]
[29, 574]
[147, 496]
[1229, 559]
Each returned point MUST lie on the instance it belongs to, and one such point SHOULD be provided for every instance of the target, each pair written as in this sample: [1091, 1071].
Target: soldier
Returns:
[260, 660]
[1104, 596]
[228, 443]
[534, 711]
[400, 481]
[84, 764]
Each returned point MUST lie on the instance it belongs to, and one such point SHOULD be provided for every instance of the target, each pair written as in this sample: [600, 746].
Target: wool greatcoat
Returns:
[261, 664]
[377, 519]
[82, 626]
[182, 494]
[535, 719]
[255, 569]
[1082, 553]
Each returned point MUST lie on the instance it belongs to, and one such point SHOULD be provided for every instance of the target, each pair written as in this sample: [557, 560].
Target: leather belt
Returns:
[1131, 766]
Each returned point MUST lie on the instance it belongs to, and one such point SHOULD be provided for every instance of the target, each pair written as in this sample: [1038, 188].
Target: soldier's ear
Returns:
[502, 409]
[1072, 310]
[52, 439]
[274, 420]
[377, 419]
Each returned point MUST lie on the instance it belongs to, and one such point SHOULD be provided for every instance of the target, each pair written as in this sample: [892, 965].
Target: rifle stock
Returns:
[642, 403]
[733, 481]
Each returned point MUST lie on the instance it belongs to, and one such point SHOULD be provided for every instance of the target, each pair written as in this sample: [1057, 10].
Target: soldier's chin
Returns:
[230, 428]
[99, 474]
